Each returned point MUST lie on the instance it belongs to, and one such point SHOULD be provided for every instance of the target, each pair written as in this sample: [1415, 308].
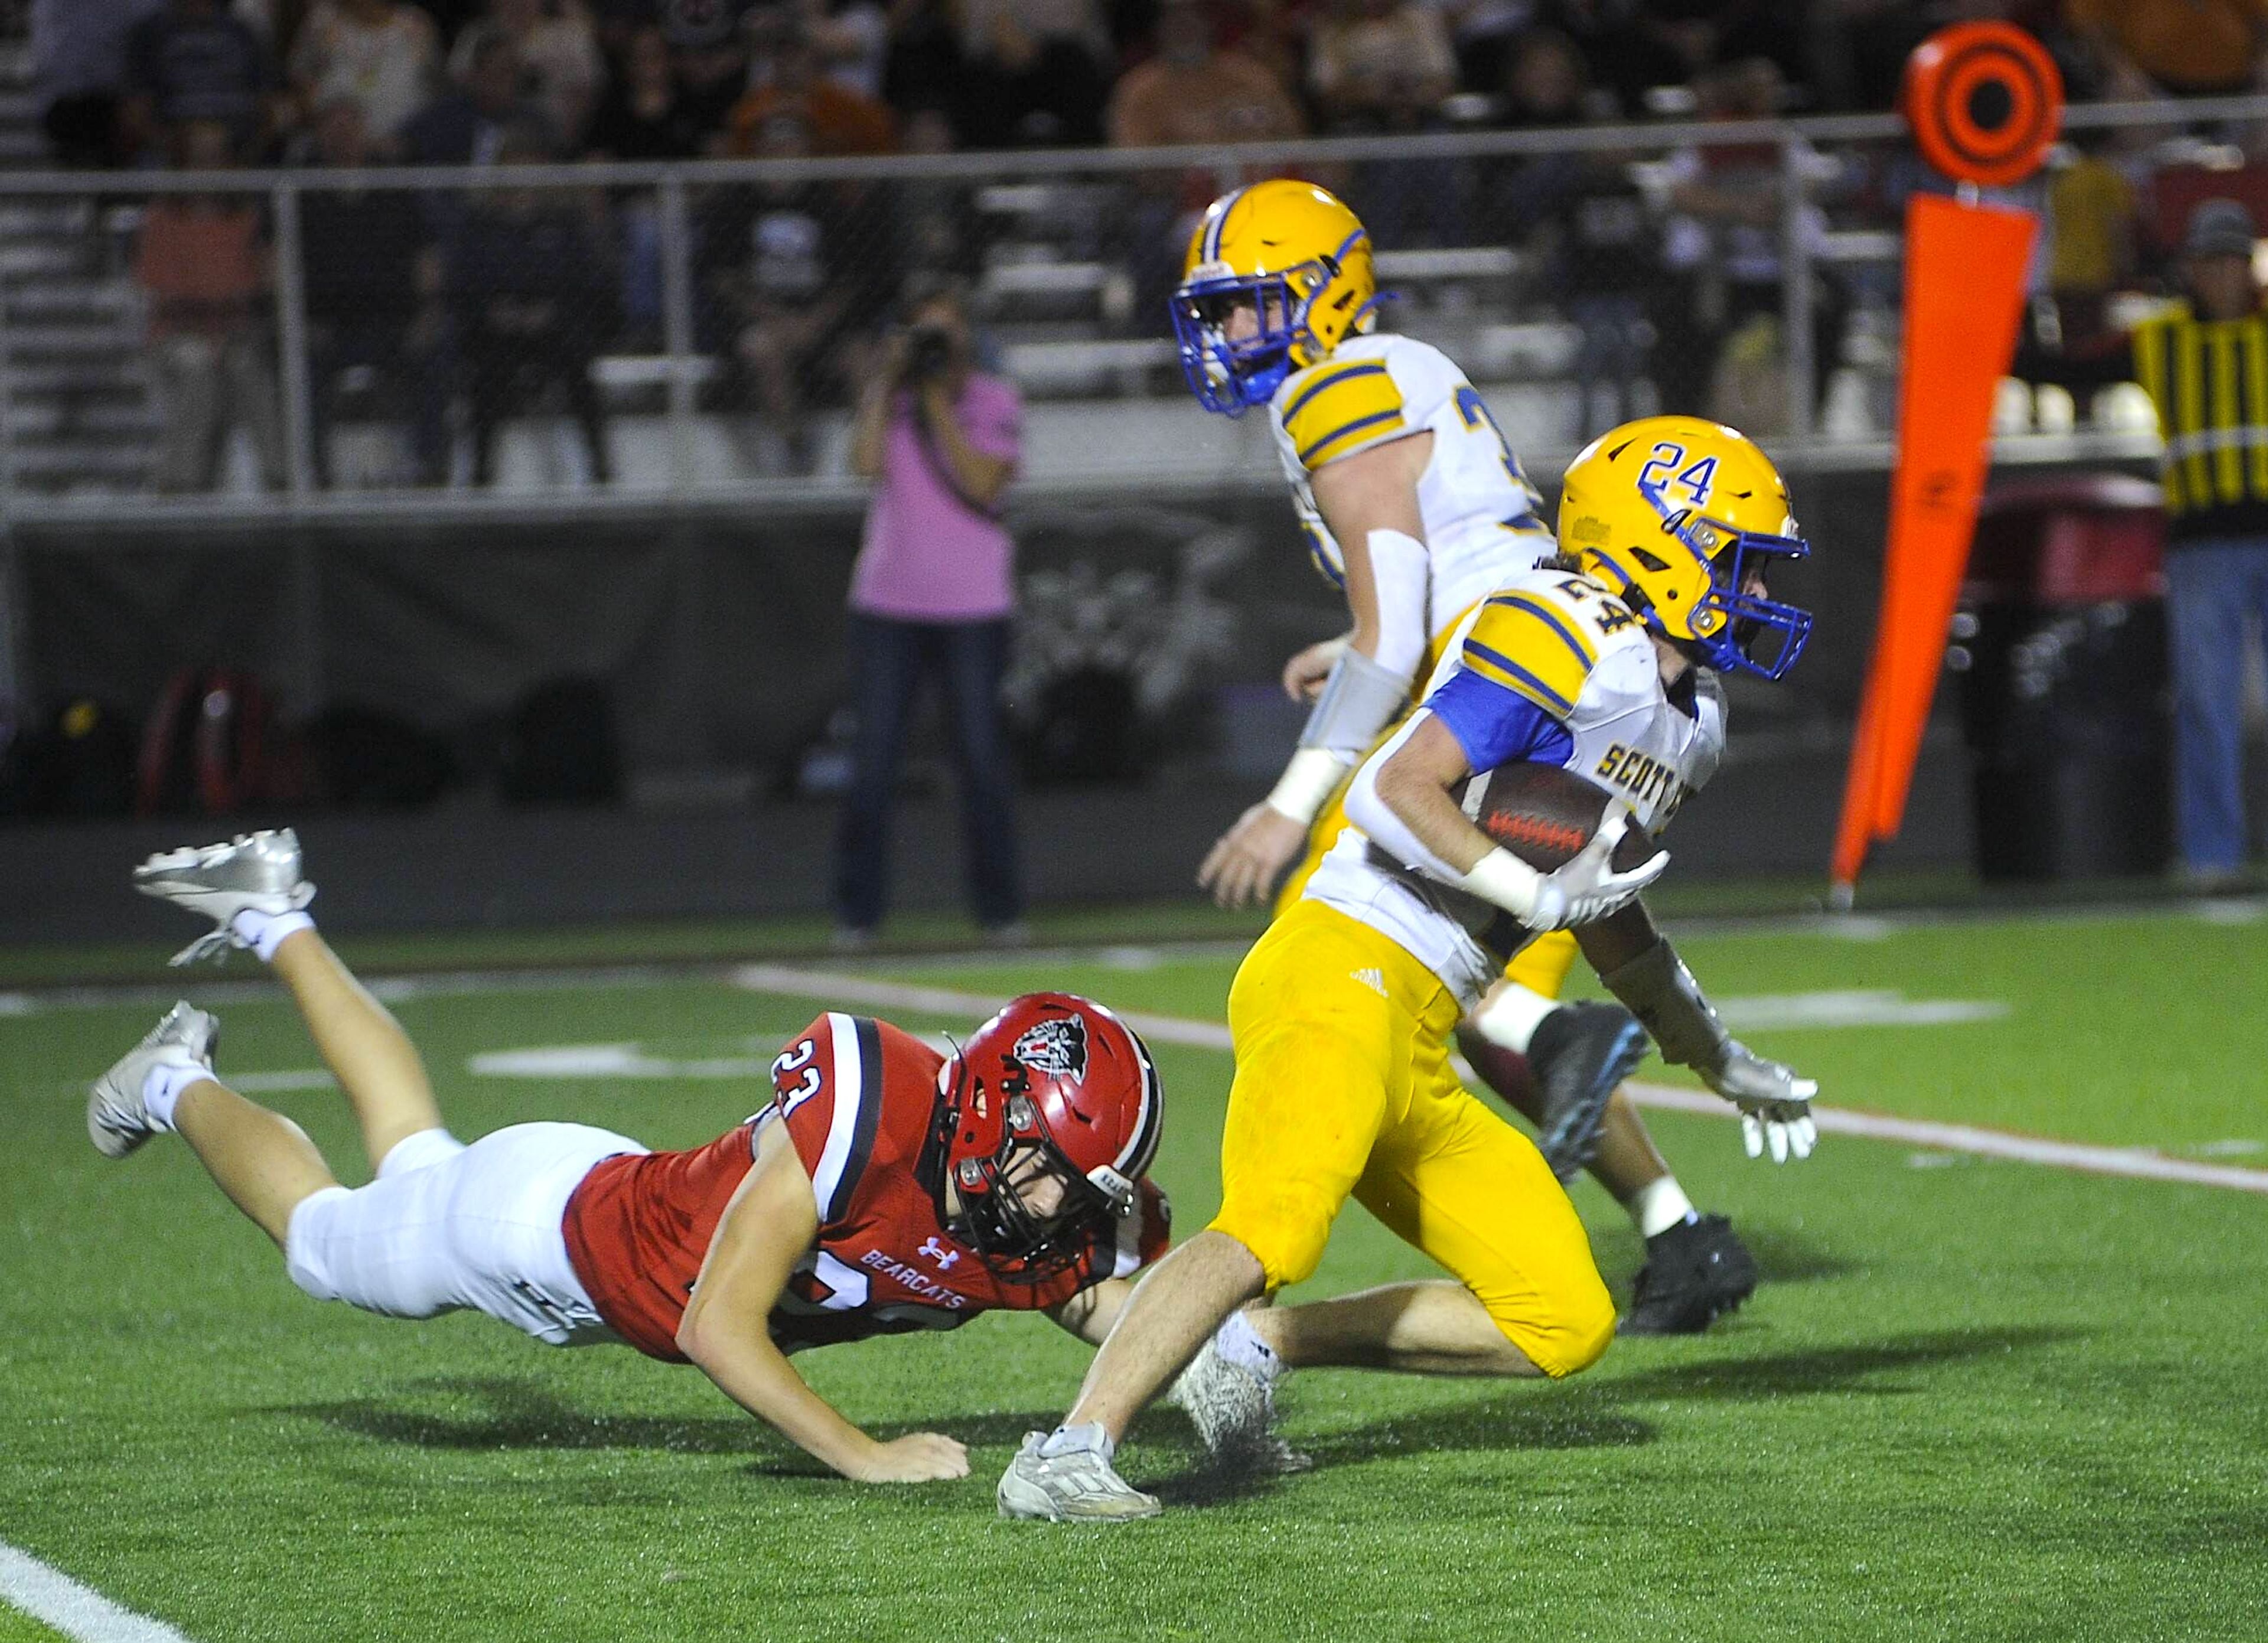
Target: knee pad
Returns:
[1577, 1336]
[416, 1152]
[303, 1243]
[1285, 1230]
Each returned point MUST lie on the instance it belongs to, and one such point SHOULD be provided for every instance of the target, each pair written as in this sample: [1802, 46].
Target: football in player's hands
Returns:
[1545, 815]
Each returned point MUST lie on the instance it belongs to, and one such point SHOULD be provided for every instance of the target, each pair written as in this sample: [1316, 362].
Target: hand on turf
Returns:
[1775, 1104]
[1586, 887]
[1243, 866]
[1304, 673]
[919, 1457]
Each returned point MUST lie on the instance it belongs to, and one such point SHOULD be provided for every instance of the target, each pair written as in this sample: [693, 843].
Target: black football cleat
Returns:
[1695, 1273]
[1579, 1053]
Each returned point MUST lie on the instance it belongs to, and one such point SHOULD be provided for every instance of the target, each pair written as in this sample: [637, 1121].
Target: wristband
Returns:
[1309, 779]
[1503, 879]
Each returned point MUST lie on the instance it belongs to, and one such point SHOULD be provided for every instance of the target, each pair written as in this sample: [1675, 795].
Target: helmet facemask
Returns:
[1729, 623]
[1017, 1243]
[1231, 375]
[1747, 620]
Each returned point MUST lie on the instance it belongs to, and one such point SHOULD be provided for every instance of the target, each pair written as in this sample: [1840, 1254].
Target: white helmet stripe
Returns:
[1142, 1144]
[1218, 221]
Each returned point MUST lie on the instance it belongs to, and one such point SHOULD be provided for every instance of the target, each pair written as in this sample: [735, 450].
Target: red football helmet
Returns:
[1055, 1086]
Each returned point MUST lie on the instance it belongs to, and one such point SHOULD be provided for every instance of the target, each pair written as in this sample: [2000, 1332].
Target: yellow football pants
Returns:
[1343, 1088]
[1541, 966]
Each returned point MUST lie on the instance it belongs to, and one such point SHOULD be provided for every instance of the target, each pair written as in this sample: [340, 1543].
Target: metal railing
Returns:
[708, 366]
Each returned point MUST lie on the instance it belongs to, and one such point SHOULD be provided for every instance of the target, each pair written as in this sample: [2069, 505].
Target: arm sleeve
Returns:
[1402, 572]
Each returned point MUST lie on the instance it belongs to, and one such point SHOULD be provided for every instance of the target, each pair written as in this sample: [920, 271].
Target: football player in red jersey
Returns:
[884, 1188]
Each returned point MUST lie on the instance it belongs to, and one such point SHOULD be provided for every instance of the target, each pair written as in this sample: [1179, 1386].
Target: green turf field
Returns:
[1975, 1400]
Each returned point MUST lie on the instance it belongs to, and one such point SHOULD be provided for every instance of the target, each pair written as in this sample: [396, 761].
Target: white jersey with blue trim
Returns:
[1555, 652]
[1484, 522]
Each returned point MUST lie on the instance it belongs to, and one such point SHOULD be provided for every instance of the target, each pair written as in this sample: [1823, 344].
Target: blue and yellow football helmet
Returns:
[1292, 258]
[1678, 515]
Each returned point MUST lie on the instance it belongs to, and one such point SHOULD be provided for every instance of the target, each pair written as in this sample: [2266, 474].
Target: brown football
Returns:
[1543, 815]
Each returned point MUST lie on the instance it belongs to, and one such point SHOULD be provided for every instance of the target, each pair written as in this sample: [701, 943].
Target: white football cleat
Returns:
[1072, 1485]
[255, 871]
[116, 1120]
[1234, 1412]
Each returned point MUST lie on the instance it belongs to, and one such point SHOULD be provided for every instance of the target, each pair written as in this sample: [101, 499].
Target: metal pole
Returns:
[292, 343]
[1795, 286]
[7, 408]
[677, 327]
[13, 710]
[305, 657]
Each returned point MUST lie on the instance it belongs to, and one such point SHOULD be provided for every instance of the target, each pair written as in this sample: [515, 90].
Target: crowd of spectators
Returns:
[439, 80]
[466, 306]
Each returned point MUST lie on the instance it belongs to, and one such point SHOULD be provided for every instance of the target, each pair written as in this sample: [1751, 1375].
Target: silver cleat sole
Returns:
[116, 1122]
[256, 871]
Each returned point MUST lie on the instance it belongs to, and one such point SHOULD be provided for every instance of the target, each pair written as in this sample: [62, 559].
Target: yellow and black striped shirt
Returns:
[2209, 380]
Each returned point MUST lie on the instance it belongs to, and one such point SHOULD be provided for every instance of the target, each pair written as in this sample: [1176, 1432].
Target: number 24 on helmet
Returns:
[1682, 518]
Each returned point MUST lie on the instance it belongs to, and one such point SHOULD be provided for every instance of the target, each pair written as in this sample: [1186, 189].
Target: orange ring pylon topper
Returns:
[1985, 100]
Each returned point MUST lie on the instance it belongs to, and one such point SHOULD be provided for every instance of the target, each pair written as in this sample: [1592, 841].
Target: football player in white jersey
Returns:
[1414, 506]
[1344, 1011]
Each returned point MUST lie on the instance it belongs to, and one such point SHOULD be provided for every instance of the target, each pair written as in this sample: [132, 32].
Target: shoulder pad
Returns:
[1341, 405]
[1533, 639]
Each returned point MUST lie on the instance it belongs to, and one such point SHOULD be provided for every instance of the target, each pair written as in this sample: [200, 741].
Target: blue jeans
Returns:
[968, 660]
[2210, 588]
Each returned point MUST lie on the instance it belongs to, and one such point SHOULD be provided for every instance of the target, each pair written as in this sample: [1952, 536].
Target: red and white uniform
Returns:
[577, 1236]
[859, 1100]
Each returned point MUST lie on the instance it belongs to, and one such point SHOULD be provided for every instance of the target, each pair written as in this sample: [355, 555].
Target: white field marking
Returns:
[1858, 927]
[247, 984]
[627, 1061]
[54, 1598]
[280, 1083]
[1870, 1007]
[2222, 910]
[2133, 1163]
[610, 1061]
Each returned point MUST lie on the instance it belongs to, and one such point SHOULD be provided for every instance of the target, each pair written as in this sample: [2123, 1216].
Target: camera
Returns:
[929, 353]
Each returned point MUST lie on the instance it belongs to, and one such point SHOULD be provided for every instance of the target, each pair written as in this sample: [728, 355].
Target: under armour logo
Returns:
[938, 1253]
[1057, 1046]
[1370, 978]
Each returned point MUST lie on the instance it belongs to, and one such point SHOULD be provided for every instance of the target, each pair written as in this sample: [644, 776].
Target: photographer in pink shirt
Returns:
[932, 595]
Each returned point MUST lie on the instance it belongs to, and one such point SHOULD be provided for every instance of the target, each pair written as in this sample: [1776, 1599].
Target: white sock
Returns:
[264, 933]
[1239, 1343]
[1512, 1015]
[1072, 1440]
[1659, 1205]
[161, 1090]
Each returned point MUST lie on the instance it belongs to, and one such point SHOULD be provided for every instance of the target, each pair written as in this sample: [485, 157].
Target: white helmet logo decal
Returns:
[1057, 1046]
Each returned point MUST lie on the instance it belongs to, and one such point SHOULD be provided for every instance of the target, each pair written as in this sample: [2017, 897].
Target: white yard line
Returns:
[2134, 1163]
[54, 1598]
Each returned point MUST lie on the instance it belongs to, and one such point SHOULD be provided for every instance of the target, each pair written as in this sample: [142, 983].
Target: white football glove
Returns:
[1775, 1104]
[1586, 887]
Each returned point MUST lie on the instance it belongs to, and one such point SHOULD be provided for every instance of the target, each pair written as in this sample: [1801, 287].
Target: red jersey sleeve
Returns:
[828, 1089]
